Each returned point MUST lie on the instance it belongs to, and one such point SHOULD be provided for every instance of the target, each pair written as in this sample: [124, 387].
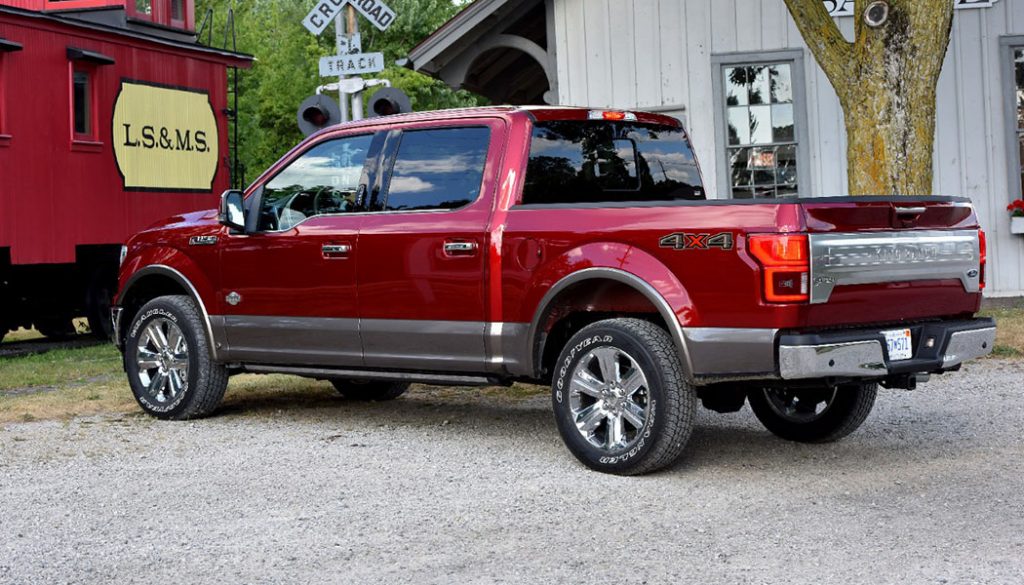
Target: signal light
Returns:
[984, 256]
[316, 116]
[611, 116]
[787, 266]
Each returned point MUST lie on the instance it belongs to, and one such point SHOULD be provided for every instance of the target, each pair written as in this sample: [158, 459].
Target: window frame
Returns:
[1008, 44]
[254, 203]
[90, 138]
[389, 156]
[795, 59]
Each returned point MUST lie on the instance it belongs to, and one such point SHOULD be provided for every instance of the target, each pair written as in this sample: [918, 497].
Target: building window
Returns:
[760, 128]
[1018, 117]
[178, 10]
[83, 104]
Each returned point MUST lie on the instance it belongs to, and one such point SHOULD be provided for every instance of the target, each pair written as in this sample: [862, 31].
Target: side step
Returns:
[412, 377]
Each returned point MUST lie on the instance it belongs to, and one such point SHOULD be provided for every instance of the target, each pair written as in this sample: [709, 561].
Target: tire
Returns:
[785, 412]
[366, 390]
[188, 383]
[631, 421]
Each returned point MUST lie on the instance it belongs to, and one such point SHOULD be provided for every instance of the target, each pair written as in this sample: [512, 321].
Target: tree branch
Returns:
[830, 48]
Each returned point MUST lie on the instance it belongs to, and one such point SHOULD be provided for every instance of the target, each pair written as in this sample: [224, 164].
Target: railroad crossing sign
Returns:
[353, 64]
[326, 11]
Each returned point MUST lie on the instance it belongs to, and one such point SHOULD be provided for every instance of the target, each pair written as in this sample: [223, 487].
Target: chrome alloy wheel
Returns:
[163, 360]
[800, 406]
[609, 399]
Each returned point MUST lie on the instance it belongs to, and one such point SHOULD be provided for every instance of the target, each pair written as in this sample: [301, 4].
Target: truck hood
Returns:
[171, 229]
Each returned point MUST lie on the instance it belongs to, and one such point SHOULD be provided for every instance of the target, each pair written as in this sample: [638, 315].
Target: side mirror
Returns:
[232, 210]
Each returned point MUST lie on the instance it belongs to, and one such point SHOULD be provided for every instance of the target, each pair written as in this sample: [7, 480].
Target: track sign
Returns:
[322, 14]
[318, 112]
[375, 11]
[354, 64]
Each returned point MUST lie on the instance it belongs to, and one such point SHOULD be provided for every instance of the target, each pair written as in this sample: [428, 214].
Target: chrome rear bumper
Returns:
[938, 347]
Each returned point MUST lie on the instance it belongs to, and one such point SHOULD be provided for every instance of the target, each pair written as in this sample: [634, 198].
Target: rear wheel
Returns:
[813, 415]
[168, 361]
[621, 401]
[366, 390]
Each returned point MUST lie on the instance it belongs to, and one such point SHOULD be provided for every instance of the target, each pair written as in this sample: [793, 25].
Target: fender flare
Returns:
[621, 276]
[175, 275]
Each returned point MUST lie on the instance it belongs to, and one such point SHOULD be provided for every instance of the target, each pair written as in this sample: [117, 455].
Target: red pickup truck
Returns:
[552, 245]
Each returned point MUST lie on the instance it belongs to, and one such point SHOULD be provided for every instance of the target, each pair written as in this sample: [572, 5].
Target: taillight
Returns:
[984, 252]
[787, 266]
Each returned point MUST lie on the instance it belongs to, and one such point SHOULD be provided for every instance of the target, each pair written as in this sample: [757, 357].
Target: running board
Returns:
[413, 377]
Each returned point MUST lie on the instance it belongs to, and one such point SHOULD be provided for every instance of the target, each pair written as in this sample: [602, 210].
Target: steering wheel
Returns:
[330, 200]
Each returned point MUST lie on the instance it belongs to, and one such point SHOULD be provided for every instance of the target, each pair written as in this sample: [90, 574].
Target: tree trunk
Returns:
[886, 82]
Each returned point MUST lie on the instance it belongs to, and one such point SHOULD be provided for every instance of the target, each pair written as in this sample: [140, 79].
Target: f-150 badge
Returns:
[687, 241]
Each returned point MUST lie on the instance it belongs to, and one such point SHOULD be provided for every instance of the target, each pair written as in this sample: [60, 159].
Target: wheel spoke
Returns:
[589, 418]
[156, 335]
[147, 360]
[607, 359]
[156, 383]
[615, 431]
[634, 381]
[586, 383]
[634, 414]
[179, 361]
[174, 381]
[174, 339]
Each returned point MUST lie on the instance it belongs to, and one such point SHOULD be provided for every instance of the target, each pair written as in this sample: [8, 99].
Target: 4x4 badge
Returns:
[688, 241]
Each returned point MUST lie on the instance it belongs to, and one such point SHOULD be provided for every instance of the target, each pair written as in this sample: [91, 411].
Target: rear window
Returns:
[607, 162]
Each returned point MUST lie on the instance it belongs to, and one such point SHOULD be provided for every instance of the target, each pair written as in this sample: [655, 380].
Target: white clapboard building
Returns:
[705, 61]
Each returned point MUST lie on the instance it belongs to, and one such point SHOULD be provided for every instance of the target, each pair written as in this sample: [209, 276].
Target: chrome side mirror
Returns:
[232, 210]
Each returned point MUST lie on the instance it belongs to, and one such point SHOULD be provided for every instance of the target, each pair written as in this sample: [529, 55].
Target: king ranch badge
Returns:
[165, 138]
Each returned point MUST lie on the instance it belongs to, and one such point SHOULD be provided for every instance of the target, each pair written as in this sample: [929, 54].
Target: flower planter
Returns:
[1017, 225]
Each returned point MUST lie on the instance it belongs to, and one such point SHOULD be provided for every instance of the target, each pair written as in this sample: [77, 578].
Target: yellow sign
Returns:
[165, 138]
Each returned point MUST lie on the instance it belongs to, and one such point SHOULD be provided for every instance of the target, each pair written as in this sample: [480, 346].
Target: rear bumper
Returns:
[861, 353]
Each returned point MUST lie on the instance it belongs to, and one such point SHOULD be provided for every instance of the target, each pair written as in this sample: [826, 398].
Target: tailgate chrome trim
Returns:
[869, 258]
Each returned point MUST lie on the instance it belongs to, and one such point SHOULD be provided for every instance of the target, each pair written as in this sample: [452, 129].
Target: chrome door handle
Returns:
[460, 247]
[335, 250]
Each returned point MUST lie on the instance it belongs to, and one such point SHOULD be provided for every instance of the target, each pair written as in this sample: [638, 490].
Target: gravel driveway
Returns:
[451, 487]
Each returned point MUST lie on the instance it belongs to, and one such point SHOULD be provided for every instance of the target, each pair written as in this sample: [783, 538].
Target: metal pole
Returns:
[353, 28]
[339, 29]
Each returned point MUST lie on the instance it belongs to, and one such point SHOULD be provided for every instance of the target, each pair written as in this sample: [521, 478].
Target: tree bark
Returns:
[886, 81]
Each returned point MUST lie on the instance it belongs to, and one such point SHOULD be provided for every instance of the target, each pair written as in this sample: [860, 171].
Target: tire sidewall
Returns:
[578, 347]
[156, 310]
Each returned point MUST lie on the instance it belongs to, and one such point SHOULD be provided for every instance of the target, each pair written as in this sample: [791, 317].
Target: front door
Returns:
[423, 254]
[288, 291]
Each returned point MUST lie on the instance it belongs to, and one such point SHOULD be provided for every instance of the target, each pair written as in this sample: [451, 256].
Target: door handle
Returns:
[336, 250]
[460, 248]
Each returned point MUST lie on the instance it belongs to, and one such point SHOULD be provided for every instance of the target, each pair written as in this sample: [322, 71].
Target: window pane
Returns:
[782, 123]
[760, 125]
[83, 125]
[144, 6]
[739, 126]
[178, 9]
[760, 86]
[736, 86]
[438, 169]
[782, 84]
[785, 161]
[762, 162]
[324, 180]
[786, 191]
[739, 165]
[596, 162]
[742, 194]
[1019, 66]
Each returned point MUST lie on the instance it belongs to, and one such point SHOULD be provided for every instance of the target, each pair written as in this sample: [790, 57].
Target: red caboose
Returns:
[112, 116]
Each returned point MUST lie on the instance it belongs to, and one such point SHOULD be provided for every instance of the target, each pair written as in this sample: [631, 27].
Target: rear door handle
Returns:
[336, 250]
[460, 248]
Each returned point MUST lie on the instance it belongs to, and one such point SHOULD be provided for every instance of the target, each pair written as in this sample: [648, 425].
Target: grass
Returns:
[68, 383]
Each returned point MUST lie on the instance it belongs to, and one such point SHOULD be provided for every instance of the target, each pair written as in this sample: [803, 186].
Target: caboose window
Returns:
[144, 7]
[81, 95]
[178, 10]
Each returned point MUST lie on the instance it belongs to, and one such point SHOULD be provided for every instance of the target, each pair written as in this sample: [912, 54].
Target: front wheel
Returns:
[621, 401]
[813, 415]
[167, 358]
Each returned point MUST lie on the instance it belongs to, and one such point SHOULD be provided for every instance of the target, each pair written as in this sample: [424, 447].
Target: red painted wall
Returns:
[56, 194]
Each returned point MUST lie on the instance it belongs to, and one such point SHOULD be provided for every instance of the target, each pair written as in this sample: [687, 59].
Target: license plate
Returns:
[898, 344]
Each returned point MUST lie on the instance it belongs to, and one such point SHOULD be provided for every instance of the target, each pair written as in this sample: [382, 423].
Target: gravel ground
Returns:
[442, 487]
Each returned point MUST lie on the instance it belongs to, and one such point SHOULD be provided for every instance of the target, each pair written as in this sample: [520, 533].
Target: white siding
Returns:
[657, 54]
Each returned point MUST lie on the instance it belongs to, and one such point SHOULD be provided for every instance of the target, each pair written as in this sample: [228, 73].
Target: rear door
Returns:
[422, 262]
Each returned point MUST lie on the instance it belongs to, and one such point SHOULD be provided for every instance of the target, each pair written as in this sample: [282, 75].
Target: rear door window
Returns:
[440, 168]
[606, 162]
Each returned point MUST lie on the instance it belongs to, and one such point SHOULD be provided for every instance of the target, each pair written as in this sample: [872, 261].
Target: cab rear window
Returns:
[608, 162]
